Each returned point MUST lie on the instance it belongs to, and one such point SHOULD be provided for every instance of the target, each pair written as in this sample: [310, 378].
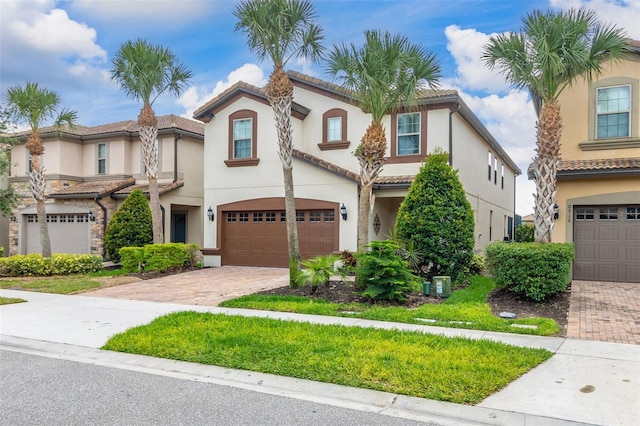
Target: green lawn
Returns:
[465, 308]
[59, 284]
[10, 300]
[446, 369]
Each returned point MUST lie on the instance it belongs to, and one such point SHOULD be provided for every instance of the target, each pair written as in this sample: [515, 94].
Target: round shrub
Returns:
[130, 226]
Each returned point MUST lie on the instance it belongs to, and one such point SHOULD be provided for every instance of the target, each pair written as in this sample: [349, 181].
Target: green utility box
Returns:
[426, 288]
[441, 286]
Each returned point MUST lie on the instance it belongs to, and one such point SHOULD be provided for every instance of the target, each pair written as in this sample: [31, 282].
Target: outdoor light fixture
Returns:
[343, 212]
[556, 212]
[210, 214]
[91, 216]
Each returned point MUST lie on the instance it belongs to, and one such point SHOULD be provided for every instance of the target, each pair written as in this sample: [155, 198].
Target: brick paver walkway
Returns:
[604, 311]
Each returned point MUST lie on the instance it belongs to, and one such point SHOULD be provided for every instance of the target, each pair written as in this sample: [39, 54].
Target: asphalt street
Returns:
[38, 390]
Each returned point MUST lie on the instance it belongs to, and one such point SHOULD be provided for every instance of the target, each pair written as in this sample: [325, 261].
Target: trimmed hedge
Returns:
[536, 270]
[158, 257]
[58, 264]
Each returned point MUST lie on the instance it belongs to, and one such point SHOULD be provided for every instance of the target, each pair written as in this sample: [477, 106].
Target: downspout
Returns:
[175, 157]
[163, 218]
[451, 112]
[104, 224]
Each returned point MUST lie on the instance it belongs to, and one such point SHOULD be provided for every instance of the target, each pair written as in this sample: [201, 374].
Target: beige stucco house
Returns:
[91, 170]
[243, 181]
[599, 175]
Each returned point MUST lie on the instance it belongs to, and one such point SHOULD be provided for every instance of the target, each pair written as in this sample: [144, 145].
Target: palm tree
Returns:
[281, 30]
[387, 73]
[146, 71]
[551, 52]
[35, 105]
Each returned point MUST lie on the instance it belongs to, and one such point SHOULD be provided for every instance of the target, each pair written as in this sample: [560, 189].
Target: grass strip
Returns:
[10, 300]
[57, 285]
[410, 363]
[468, 305]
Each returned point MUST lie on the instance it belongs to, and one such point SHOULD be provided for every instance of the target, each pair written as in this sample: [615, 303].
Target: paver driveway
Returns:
[208, 286]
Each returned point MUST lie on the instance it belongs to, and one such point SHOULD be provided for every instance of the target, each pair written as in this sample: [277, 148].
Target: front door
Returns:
[178, 227]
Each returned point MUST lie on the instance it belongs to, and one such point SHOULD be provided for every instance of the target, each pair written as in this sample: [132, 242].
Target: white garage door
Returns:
[69, 233]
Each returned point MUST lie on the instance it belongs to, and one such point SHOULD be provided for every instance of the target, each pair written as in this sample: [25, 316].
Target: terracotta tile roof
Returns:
[340, 171]
[426, 94]
[165, 122]
[395, 180]
[163, 188]
[93, 188]
[601, 164]
[323, 164]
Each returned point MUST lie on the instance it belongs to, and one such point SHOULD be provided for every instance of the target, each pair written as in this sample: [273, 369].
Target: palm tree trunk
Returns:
[546, 164]
[280, 94]
[149, 141]
[38, 186]
[370, 155]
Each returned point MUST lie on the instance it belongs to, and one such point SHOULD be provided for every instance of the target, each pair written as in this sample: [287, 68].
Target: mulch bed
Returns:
[500, 300]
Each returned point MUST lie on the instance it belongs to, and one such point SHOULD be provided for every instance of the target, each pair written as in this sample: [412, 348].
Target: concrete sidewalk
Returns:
[585, 382]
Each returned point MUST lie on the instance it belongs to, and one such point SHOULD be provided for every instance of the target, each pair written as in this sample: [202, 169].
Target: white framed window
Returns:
[409, 134]
[613, 107]
[489, 166]
[334, 129]
[242, 133]
[502, 176]
[102, 158]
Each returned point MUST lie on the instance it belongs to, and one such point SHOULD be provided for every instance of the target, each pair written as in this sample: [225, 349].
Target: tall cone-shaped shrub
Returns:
[130, 226]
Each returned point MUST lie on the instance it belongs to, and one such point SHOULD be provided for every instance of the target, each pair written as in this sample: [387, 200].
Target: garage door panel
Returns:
[68, 233]
[264, 235]
[607, 243]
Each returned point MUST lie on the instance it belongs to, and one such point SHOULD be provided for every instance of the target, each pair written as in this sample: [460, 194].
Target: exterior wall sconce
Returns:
[210, 214]
[343, 212]
[92, 218]
[556, 212]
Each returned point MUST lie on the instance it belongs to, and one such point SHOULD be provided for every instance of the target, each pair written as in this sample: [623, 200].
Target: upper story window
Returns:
[489, 166]
[102, 158]
[334, 130]
[613, 110]
[502, 176]
[243, 135]
[409, 134]
[242, 138]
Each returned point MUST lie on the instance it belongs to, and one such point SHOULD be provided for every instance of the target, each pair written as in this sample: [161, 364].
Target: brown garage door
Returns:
[607, 242]
[259, 237]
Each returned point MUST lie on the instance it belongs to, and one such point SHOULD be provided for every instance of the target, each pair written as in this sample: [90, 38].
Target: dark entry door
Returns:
[179, 227]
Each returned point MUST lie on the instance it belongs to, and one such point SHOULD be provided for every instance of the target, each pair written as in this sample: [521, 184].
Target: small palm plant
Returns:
[319, 270]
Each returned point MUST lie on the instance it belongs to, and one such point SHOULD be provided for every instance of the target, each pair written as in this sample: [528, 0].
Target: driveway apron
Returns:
[207, 287]
[604, 311]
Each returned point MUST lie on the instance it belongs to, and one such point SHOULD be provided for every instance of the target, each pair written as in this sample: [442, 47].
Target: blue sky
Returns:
[67, 46]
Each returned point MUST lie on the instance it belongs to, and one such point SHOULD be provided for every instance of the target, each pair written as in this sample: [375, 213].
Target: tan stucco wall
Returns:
[575, 192]
[577, 105]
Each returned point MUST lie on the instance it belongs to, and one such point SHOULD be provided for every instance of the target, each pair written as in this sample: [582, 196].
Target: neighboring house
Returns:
[528, 219]
[243, 180]
[90, 171]
[599, 174]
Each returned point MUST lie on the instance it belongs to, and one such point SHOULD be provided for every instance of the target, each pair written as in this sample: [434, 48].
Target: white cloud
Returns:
[54, 32]
[196, 96]
[42, 43]
[466, 46]
[623, 13]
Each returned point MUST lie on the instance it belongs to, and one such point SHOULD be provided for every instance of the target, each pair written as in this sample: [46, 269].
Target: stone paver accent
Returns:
[208, 286]
[604, 311]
